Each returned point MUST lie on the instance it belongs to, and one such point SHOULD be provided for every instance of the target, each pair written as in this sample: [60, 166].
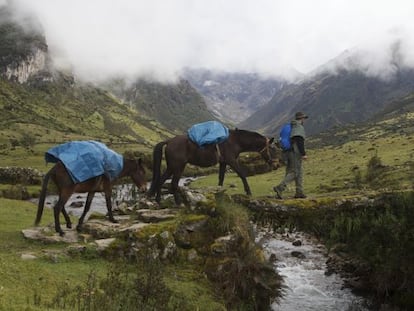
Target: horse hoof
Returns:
[113, 220]
[69, 226]
[78, 228]
[62, 234]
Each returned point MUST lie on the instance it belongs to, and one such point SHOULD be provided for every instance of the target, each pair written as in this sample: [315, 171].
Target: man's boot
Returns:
[278, 191]
[300, 196]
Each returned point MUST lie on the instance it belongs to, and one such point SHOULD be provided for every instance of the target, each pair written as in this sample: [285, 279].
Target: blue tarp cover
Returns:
[210, 132]
[86, 159]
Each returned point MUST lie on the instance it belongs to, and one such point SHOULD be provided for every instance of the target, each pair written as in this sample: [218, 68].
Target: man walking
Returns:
[294, 157]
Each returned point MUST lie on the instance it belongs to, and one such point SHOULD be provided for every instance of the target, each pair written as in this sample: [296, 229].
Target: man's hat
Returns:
[300, 115]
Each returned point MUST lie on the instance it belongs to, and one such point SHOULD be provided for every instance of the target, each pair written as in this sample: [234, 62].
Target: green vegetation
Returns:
[60, 278]
[31, 279]
[383, 238]
[176, 106]
[370, 159]
[62, 111]
[377, 234]
[246, 279]
[55, 279]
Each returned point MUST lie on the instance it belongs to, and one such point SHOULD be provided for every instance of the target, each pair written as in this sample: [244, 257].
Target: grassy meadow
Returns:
[44, 282]
[336, 170]
[341, 169]
[24, 282]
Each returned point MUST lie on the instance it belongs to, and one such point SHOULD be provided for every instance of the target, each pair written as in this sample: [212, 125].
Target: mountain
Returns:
[46, 105]
[332, 98]
[177, 106]
[396, 119]
[233, 96]
[23, 50]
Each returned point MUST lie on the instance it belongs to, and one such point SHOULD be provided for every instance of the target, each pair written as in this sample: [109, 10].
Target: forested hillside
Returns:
[177, 106]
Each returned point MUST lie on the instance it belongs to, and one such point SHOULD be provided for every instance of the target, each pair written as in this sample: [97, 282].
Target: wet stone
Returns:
[297, 243]
[48, 235]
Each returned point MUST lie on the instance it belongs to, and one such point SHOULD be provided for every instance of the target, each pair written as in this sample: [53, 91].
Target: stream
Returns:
[303, 268]
[124, 192]
[76, 202]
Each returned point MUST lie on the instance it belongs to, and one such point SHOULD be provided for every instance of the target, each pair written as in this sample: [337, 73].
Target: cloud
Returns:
[159, 38]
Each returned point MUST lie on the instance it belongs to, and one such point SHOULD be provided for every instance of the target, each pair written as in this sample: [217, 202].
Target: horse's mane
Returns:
[237, 131]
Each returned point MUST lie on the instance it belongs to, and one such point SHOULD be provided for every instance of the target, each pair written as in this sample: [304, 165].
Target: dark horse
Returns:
[180, 150]
[66, 187]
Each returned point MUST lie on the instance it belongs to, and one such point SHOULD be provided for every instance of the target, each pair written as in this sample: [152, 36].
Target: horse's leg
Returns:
[88, 203]
[222, 172]
[58, 208]
[174, 189]
[242, 174]
[176, 175]
[67, 218]
[164, 177]
[108, 196]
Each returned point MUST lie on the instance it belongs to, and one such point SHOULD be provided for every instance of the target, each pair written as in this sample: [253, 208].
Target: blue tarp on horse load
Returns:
[210, 132]
[86, 159]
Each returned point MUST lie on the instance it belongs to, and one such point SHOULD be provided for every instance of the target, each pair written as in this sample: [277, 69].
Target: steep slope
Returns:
[394, 120]
[176, 106]
[53, 112]
[347, 96]
[233, 96]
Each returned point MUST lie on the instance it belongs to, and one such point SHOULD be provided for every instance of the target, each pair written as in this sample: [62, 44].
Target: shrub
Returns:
[383, 236]
[16, 192]
[27, 140]
[19, 175]
[136, 286]
[375, 171]
[246, 280]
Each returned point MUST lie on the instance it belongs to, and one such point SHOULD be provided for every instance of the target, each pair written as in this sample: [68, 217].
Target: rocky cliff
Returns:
[23, 49]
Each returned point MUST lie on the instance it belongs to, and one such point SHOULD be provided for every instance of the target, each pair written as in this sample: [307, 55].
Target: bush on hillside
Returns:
[383, 236]
[20, 175]
[136, 286]
[246, 280]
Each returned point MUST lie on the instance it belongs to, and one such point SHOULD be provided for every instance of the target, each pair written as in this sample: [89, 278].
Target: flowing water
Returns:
[125, 192]
[76, 202]
[303, 268]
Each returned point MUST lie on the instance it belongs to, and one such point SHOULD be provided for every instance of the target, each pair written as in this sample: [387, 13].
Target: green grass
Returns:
[21, 280]
[55, 113]
[198, 291]
[330, 170]
[32, 284]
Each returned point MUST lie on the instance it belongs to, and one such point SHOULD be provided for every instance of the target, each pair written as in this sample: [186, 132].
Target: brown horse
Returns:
[180, 150]
[66, 187]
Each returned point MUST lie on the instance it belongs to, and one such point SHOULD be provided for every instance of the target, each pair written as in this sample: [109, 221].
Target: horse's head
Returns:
[253, 141]
[267, 151]
[137, 173]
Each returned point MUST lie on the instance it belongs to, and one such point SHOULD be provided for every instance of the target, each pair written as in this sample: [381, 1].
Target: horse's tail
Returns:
[156, 167]
[43, 196]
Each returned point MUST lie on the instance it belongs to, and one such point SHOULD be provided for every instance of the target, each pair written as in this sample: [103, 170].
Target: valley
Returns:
[358, 178]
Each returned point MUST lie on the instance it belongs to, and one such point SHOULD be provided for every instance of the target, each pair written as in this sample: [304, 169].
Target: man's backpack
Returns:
[284, 137]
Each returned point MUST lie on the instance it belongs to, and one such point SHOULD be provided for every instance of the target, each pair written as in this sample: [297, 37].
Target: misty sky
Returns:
[159, 38]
